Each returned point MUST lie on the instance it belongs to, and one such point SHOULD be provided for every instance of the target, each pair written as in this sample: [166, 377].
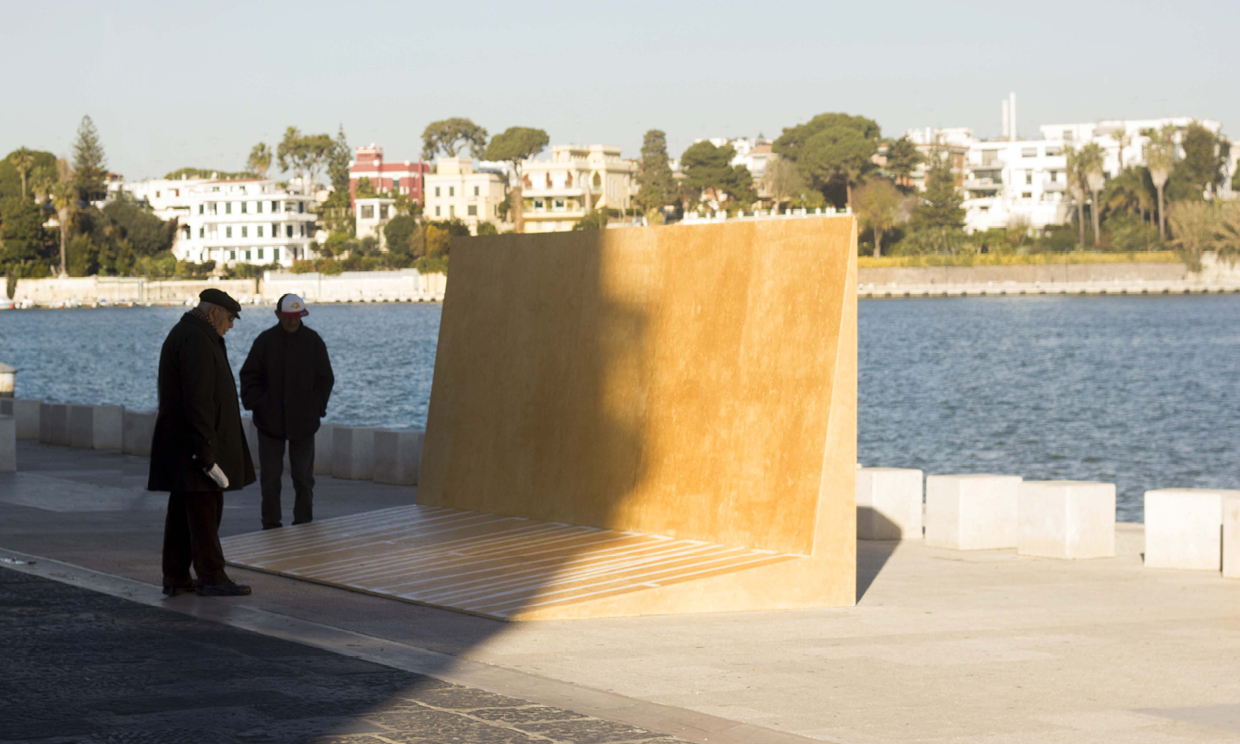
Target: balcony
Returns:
[1054, 186]
[982, 184]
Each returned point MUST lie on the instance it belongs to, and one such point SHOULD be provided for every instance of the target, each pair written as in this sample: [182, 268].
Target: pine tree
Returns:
[89, 163]
[657, 188]
[940, 202]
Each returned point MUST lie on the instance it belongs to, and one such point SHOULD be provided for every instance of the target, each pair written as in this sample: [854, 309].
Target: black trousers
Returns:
[271, 467]
[192, 537]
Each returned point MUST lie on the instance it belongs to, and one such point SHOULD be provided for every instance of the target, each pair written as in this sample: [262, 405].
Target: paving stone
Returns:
[589, 731]
[464, 698]
[528, 714]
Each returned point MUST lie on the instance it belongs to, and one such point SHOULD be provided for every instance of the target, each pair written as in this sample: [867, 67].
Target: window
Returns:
[260, 231]
[275, 207]
[227, 207]
[288, 231]
[451, 211]
[984, 209]
[228, 231]
[598, 180]
[275, 230]
[559, 205]
[1026, 195]
[215, 208]
[451, 191]
[473, 210]
[990, 157]
[436, 191]
[245, 231]
[202, 208]
[301, 207]
[1028, 177]
[247, 255]
[368, 211]
[275, 254]
[538, 204]
[202, 232]
[260, 254]
[1054, 176]
[383, 211]
[436, 208]
[232, 255]
[476, 191]
[258, 207]
[156, 194]
[1067, 135]
[243, 206]
[1053, 152]
[1029, 152]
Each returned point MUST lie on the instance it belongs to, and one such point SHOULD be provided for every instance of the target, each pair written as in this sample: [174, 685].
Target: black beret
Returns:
[221, 298]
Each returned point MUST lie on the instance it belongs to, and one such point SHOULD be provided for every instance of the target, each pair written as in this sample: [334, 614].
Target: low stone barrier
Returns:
[137, 432]
[353, 452]
[323, 449]
[54, 424]
[888, 504]
[1231, 537]
[1066, 519]
[96, 427]
[26, 415]
[1182, 528]
[398, 456]
[972, 512]
[8, 444]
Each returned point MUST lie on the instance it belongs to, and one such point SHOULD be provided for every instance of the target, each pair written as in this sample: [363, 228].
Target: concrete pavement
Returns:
[943, 646]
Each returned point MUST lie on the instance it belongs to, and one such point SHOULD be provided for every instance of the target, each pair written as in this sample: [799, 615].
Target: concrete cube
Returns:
[138, 431]
[54, 424]
[398, 456]
[1066, 519]
[972, 512]
[26, 413]
[353, 452]
[323, 449]
[96, 427]
[1183, 528]
[1231, 537]
[888, 504]
[8, 444]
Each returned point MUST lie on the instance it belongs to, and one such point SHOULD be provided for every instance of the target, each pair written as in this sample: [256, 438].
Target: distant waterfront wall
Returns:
[351, 286]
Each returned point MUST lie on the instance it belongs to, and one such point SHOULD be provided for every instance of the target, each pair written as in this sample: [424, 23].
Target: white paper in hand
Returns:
[217, 475]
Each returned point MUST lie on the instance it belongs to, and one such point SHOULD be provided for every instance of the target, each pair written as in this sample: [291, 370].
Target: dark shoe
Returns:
[176, 591]
[275, 526]
[301, 521]
[223, 589]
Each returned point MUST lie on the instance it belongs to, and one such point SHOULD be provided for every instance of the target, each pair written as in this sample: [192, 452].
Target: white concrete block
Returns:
[398, 456]
[137, 432]
[1066, 519]
[54, 424]
[888, 504]
[353, 452]
[8, 444]
[1183, 528]
[1231, 537]
[972, 512]
[26, 412]
[96, 427]
[323, 449]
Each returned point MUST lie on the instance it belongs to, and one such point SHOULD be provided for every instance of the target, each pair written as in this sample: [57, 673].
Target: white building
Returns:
[456, 190]
[245, 221]
[168, 197]
[371, 215]
[577, 179]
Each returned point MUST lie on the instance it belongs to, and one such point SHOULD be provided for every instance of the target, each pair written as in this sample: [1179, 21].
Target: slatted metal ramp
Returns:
[506, 568]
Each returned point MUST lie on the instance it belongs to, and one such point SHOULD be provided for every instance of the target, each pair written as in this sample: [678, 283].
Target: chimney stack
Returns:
[1006, 118]
[1012, 114]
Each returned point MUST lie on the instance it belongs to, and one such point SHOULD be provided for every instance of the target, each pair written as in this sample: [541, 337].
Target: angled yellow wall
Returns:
[697, 382]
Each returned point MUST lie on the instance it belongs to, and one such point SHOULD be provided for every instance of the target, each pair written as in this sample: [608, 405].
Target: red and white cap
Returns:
[292, 306]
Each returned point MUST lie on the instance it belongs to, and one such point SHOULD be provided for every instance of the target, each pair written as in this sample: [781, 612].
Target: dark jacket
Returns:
[199, 421]
[286, 381]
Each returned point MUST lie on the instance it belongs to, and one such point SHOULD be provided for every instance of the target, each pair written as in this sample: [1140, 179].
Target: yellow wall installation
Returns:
[697, 382]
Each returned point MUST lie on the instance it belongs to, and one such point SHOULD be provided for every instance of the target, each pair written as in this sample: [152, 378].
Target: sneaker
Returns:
[223, 589]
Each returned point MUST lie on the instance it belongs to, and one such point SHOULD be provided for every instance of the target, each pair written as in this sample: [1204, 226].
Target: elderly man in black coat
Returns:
[198, 450]
[286, 381]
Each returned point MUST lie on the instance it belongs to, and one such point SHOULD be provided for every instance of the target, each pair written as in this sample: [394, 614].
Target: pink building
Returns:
[405, 176]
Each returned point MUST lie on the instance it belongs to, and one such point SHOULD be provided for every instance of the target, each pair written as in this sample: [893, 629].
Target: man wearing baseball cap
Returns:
[198, 450]
[286, 381]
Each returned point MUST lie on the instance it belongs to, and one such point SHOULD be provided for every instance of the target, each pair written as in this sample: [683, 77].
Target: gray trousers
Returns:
[271, 467]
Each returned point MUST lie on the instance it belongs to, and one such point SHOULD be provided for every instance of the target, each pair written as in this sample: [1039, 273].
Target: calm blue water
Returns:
[1139, 391]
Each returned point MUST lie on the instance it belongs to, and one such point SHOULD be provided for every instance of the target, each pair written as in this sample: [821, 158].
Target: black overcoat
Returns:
[199, 421]
[286, 381]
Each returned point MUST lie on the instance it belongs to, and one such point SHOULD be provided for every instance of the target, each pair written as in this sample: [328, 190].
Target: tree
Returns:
[903, 157]
[305, 155]
[365, 189]
[1202, 163]
[514, 146]
[22, 239]
[1128, 192]
[1160, 159]
[1201, 226]
[838, 153]
[146, 234]
[709, 168]
[940, 202]
[398, 234]
[450, 135]
[338, 162]
[656, 186]
[596, 220]
[23, 161]
[438, 241]
[1090, 161]
[64, 199]
[790, 143]
[1123, 139]
[12, 182]
[880, 207]
[1076, 186]
[259, 161]
[89, 163]
[782, 180]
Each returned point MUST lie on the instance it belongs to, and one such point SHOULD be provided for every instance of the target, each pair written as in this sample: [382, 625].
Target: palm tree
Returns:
[1160, 159]
[1089, 160]
[1072, 169]
[1123, 139]
[23, 160]
[65, 199]
[259, 161]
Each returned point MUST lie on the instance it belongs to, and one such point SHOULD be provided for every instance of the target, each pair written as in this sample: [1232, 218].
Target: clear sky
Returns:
[171, 84]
